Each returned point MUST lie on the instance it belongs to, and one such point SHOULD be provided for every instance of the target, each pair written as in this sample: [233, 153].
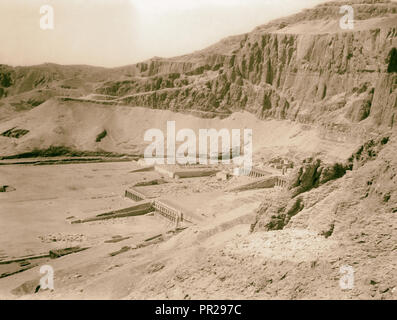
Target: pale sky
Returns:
[120, 32]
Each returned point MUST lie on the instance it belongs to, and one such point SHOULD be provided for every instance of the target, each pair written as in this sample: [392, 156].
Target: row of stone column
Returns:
[169, 213]
[256, 174]
[280, 183]
[133, 196]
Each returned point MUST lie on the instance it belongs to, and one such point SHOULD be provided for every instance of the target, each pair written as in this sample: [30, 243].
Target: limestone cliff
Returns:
[303, 68]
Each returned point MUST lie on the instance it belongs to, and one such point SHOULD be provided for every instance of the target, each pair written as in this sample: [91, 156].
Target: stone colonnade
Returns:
[168, 212]
[280, 182]
[134, 195]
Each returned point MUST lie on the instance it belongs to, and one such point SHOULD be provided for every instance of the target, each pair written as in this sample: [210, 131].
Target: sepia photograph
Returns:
[198, 150]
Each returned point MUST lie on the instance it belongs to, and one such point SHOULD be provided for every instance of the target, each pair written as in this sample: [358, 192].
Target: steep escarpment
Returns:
[24, 88]
[303, 68]
[342, 80]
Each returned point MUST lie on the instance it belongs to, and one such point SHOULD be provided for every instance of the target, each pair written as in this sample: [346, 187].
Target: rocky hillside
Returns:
[303, 67]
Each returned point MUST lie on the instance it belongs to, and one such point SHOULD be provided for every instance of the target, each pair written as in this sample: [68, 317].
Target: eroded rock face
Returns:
[305, 177]
[311, 174]
[276, 216]
[280, 74]
[368, 151]
[314, 173]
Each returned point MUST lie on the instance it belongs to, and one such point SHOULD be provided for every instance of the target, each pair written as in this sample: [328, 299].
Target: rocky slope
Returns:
[304, 68]
[321, 75]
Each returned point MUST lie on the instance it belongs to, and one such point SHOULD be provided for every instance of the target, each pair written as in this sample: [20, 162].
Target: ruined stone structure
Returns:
[168, 212]
[258, 173]
[281, 182]
[140, 209]
[195, 173]
[178, 172]
[135, 195]
[262, 183]
[253, 172]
